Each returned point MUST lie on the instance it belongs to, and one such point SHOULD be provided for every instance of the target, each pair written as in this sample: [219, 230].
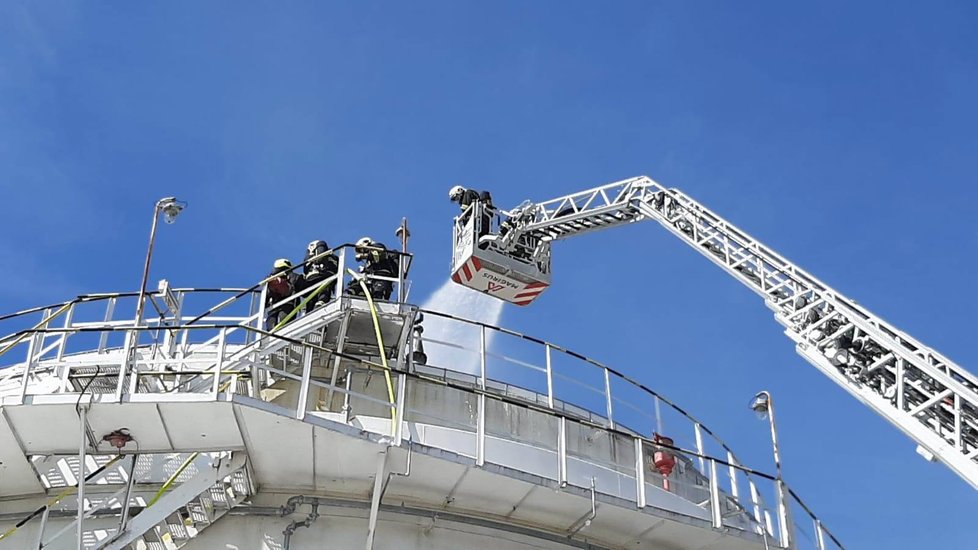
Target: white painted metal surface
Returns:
[525, 451]
[517, 272]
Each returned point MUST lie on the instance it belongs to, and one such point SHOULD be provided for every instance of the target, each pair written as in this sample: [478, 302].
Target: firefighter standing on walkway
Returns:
[377, 262]
[281, 285]
[319, 265]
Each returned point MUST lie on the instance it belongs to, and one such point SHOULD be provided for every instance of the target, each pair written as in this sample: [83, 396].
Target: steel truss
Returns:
[921, 392]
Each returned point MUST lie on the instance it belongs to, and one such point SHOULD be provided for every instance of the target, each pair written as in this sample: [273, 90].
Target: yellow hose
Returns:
[301, 305]
[380, 344]
[173, 478]
[35, 327]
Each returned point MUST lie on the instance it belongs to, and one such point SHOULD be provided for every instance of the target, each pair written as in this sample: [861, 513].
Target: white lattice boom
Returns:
[924, 394]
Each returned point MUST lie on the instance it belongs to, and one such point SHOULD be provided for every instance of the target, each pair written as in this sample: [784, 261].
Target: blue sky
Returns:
[842, 136]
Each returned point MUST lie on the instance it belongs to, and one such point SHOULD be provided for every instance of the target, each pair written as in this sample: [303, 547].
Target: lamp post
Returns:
[171, 208]
[763, 405]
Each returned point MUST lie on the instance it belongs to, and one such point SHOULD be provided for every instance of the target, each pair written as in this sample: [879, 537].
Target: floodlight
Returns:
[761, 404]
[171, 208]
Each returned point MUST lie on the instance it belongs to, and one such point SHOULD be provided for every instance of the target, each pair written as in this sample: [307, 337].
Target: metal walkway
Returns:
[123, 436]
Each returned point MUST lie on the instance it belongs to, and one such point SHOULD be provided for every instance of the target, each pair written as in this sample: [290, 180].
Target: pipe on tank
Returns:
[290, 508]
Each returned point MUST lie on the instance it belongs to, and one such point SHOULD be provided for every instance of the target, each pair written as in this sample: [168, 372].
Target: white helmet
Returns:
[455, 192]
[364, 242]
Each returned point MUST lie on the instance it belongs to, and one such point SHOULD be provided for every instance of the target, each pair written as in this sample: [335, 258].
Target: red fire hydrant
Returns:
[663, 459]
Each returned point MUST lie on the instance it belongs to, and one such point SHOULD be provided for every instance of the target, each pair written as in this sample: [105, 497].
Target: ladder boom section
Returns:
[924, 394]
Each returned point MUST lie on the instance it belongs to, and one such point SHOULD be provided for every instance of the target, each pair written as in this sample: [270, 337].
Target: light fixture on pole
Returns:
[171, 208]
[763, 407]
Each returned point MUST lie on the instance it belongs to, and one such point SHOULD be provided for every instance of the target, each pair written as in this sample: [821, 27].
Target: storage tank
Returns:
[345, 427]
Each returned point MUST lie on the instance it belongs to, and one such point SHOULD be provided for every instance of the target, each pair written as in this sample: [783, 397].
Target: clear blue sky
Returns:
[843, 136]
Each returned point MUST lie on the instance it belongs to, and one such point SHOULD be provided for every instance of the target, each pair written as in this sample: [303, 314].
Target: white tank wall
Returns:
[335, 528]
[350, 531]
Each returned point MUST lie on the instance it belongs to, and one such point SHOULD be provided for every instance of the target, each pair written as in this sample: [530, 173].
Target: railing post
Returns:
[784, 516]
[734, 490]
[401, 403]
[134, 372]
[46, 323]
[482, 356]
[69, 316]
[260, 319]
[480, 444]
[219, 362]
[607, 398]
[698, 431]
[562, 452]
[550, 379]
[109, 311]
[640, 499]
[340, 274]
[715, 496]
[819, 536]
[300, 412]
[755, 500]
[124, 364]
[31, 344]
[252, 311]
[255, 375]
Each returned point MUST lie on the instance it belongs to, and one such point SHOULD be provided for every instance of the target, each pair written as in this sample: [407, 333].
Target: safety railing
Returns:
[546, 376]
[49, 336]
[498, 396]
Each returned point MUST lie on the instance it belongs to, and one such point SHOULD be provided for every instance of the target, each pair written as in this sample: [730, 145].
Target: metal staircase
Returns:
[221, 482]
[124, 508]
[926, 395]
[136, 502]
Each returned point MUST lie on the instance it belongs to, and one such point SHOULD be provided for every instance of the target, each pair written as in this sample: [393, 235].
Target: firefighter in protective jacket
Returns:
[281, 284]
[377, 261]
[468, 197]
[319, 265]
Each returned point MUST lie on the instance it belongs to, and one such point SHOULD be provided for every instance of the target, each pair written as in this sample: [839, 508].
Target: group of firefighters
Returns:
[319, 265]
[380, 268]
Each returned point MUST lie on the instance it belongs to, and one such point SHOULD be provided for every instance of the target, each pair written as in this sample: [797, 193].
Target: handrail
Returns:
[735, 464]
[245, 323]
[586, 359]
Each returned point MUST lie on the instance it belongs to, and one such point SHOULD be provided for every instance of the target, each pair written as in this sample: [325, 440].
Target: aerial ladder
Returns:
[927, 396]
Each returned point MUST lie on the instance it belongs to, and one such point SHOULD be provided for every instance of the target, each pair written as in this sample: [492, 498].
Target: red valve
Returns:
[118, 438]
[663, 459]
